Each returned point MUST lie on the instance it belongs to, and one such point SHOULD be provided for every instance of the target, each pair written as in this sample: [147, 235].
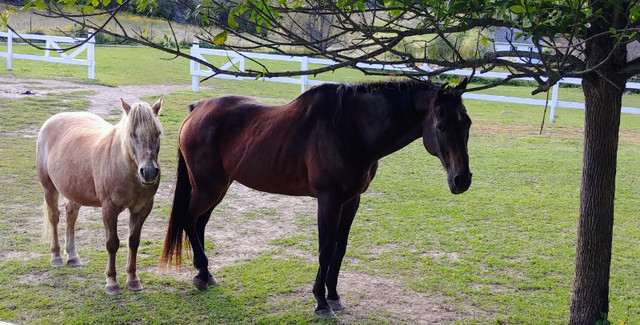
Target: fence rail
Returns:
[53, 52]
[237, 60]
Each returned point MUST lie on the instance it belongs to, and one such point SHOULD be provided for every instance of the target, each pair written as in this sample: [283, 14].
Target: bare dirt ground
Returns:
[242, 226]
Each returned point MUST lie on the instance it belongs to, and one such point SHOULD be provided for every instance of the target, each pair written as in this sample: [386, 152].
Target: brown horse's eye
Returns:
[440, 126]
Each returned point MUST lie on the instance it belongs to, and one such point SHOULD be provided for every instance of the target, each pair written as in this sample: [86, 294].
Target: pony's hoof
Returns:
[74, 262]
[113, 289]
[134, 285]
[200, 284]
[336, 304]
[212, 281]
[56, 261]
[324, 313]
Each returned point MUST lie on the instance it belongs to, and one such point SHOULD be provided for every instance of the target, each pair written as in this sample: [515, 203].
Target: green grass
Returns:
[505, 248]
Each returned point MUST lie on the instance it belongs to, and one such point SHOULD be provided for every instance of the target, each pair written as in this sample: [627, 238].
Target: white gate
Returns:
[53, 52]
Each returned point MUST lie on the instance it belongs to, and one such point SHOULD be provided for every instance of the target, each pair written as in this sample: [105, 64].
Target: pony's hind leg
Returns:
[136, 220]
[110, 220]
[71, 211]
[52, 217]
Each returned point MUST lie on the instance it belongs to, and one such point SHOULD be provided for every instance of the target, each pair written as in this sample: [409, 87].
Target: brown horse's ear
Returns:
[463, 84]
[157, 106]
[125, 106]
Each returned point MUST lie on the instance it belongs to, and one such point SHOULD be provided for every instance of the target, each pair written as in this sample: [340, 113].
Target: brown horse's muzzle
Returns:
[459, 183]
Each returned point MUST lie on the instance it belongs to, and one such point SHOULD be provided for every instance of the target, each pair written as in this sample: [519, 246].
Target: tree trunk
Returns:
[603, 101]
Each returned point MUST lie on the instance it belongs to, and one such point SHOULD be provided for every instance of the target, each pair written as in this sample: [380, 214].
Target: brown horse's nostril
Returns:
[456, 180]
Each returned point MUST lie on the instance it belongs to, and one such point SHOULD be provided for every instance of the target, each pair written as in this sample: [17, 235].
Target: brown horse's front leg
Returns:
[329, 210]
[110, 220]
[349, 210]
[135, 227]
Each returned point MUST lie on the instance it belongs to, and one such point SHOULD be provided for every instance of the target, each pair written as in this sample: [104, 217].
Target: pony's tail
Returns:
[172, 251]
[46, 223]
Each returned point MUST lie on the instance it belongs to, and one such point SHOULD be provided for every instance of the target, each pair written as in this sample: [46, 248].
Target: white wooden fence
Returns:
[237, 60]
[52, 44]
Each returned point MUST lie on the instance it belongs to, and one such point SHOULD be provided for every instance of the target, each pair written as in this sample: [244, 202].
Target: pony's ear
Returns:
[157, 106]
[463, 84]
[125, 106]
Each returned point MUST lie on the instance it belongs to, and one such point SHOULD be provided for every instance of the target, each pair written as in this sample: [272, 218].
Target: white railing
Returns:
[52, 45]
[237, 61]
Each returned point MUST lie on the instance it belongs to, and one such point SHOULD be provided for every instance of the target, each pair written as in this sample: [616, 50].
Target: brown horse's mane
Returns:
[329, 99]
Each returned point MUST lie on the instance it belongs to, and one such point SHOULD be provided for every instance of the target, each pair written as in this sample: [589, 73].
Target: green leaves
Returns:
[5, 17]
[220, 38]
[517, 9]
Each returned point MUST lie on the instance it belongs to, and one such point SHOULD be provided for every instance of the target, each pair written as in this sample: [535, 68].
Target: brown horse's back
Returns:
[263, 147]
[63, 154]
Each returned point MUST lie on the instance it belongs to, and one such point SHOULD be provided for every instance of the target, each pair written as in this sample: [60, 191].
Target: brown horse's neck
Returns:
[385, 125]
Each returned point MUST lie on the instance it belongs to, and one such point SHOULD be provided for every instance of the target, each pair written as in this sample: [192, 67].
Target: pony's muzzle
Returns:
[149, 174]
[460, 183]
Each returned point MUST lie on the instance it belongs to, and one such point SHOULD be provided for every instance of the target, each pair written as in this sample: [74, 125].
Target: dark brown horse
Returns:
[325, 144]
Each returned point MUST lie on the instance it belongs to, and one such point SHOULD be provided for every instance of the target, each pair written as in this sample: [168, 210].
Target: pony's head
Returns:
[142, 131]
[446, 132]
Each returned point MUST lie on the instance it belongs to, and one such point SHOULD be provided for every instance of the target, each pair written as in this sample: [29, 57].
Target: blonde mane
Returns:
[140, 117]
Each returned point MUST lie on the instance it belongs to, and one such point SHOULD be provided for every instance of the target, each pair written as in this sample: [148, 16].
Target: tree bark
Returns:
[590, 297]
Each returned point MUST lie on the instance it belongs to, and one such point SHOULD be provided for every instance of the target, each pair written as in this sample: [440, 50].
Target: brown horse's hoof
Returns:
[56, 261]
[134, 285]
[113, 289]
[212, 281]
[201, 285]
[74, 262]
[336, 304]
[324, 313]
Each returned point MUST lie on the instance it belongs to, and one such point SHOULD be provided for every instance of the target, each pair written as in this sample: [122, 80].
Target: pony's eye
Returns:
[440, 126]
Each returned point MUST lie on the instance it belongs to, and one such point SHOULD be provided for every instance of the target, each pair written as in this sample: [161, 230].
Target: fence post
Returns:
[91, 55]
[194, 66]
[304, 65]
[9, 48]
[554, 101]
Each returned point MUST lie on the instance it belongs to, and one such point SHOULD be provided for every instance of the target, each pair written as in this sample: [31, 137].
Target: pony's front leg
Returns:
[329, 210]
[110, 220]
[72, 210]
[135, 227]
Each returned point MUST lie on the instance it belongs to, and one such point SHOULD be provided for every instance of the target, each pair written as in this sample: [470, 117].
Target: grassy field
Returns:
[502, 253]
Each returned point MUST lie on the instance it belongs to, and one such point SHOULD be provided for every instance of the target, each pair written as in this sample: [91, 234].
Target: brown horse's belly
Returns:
[276, 186]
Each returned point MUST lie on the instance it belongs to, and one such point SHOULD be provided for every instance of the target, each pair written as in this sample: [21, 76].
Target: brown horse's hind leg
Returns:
[202, 204]
[200, 227]
[349, 210]
[110, 220]
[51, 197]
[135, 227]
[72, 210]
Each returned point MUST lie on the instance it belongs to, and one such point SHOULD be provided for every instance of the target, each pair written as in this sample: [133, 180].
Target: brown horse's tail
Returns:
[172, 251]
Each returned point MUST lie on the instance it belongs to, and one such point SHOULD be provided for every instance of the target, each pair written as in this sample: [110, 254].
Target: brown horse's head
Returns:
[142, 138]
[445, 135]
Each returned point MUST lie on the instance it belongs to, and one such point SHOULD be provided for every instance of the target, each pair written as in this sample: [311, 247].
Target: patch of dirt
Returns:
[103, 101]
[364, 294]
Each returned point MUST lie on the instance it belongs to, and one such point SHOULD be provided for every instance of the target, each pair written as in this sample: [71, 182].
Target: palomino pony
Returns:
[325, 144]
[94, 163]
